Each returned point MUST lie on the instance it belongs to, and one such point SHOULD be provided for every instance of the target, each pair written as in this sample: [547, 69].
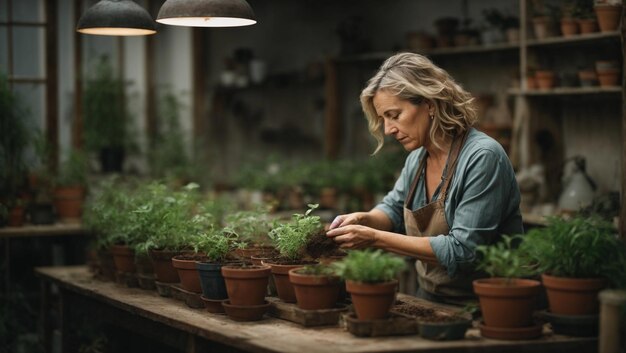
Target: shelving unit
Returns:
[553, 110]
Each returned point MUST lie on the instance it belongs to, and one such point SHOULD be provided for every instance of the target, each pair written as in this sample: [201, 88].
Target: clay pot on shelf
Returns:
[211, 280]
[569, 27]
[418, 41]
[245, 312]
[280, 274]
[163, 268]
[16, 216]
[543, 27]
[608, 17]
[588, 78]
[246, 285]
[124, 258]
[185, 265]
[573, 296]
[372, 301]
[68, 201]
[609, 77]
[588, 25]
[546, 79]
[315, 292]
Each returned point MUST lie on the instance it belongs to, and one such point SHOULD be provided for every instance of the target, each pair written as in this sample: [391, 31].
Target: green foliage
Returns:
[107, 119]
[291, 238]
[504, 259]
[318, 270]
[251, 227]
[73, 170]
[15, 136]
[583, 247]
[169, 219]
[215, 243]
[498, 20]
[369, 266]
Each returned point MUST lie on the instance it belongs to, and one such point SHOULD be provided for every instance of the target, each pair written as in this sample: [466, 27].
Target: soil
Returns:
[192, 258]
[421, 313]
[319, 245]
[283, 261]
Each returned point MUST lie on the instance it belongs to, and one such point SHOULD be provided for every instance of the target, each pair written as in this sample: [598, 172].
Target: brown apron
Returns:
[430, 220]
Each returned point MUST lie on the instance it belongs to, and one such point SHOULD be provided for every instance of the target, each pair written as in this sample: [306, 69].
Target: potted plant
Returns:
[569, 22]
[251, 228]
[370, 278]
[545, 17]
[215, 244]
[316, 286]
[608, 13]
[70, 182]
[507, 300]
[291, 239]
[583, 12]
[14, 139]
[107, 118]
[577, 259]
[446, 327]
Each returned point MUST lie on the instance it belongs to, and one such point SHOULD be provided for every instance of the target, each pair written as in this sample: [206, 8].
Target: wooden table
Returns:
[195, 330]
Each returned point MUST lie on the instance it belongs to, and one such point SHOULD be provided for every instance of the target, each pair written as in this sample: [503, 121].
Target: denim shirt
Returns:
[482, 204]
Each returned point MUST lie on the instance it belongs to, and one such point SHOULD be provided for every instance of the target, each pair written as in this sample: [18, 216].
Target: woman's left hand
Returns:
[353, 236]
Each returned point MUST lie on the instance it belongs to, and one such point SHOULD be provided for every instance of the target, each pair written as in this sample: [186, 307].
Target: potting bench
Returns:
[174, 324]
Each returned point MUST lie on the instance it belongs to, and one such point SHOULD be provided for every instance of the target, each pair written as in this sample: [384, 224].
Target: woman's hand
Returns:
[353, 236]
[351, 218]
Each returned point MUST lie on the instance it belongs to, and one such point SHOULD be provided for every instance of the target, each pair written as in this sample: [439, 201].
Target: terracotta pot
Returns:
[213, 305]
[16, 217]
[372, 301]
[531, 83]
[545, 79]
[212, 281]
[314, 292]
[588, 25]
[285, 289]
[163, 268]
[106, 265]
[588, 78]
[608, 17]
[543, 27]
[187, 270]
[507, 304]
[124, 258]
[328, 198]
[246, 285]
[609, 77]
[245, 312]
[68, 202]
[569, 27]
[573, 296]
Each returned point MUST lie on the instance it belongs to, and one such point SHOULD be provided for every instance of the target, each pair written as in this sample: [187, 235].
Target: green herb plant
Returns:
[252, 228]
[291, 238]
[369, 266]
[215, 243]
[583, 247]
[73, 171]
[504, 259]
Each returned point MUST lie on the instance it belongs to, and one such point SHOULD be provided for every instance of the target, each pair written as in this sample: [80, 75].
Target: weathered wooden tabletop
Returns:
[274, 335]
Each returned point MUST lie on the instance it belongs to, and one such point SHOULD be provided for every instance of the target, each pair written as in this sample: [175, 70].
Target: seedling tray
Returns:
[308, 318]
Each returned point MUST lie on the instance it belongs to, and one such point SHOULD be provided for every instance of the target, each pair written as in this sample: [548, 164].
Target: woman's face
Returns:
[407, 122]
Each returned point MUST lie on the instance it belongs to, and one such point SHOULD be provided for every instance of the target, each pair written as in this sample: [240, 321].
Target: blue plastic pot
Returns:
[211, 280]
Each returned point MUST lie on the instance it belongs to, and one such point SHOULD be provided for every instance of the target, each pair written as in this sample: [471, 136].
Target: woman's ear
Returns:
[431, 108]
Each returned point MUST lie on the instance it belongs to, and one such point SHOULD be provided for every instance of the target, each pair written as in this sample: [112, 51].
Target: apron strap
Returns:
[455, 151]
[409, 200]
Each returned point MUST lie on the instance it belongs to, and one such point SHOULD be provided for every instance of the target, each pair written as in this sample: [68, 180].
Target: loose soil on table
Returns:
[421, 313]
[319, 245]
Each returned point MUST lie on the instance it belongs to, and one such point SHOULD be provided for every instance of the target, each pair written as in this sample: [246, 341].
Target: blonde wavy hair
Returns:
[415, 78]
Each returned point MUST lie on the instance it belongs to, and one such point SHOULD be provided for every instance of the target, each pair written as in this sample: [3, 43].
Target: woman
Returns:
[457, 189]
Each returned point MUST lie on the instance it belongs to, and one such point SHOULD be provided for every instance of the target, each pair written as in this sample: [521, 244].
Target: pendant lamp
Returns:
[116, 18]
[206, 13]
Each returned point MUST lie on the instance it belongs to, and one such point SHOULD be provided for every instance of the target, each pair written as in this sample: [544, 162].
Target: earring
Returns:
[432, 116]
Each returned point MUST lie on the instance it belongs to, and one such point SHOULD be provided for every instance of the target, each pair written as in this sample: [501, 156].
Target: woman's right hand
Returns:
[350, 218]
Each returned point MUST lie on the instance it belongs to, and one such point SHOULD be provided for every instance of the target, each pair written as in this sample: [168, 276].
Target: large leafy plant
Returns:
[504, 259]
[369, 266]
[583, 247]
[291, 238]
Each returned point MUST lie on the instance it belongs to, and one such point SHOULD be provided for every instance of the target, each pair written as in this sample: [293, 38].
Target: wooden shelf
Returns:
[380, 56]
[564, 91]
[43, 230]
[573, 39]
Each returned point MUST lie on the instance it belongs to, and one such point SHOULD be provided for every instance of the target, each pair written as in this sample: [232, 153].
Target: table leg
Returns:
[44, 319]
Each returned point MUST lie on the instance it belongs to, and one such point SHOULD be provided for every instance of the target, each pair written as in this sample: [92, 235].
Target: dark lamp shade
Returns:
[206, 13]
[116, 18]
